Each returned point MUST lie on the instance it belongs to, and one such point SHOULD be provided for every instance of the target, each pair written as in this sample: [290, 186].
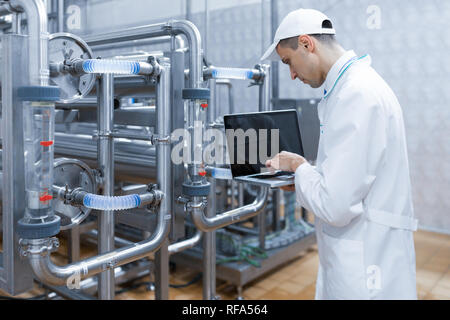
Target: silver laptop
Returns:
[247, 155]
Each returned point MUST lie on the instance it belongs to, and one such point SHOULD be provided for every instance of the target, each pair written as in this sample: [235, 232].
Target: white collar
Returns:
[336, 69]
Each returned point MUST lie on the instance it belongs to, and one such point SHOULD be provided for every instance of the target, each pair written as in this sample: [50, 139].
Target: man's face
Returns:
[303, 63]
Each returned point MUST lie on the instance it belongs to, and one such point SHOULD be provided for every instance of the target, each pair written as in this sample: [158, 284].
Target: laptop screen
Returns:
[270, 132]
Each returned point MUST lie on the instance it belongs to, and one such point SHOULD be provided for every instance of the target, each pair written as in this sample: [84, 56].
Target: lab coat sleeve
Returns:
[354, 142]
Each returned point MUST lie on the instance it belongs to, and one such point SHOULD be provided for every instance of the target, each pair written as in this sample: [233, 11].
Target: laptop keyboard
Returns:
[273, 175]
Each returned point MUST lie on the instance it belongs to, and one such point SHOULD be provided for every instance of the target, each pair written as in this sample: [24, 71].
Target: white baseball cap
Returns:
[296, 23]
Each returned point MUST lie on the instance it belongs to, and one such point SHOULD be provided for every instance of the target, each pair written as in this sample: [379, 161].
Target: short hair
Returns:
[327, 39]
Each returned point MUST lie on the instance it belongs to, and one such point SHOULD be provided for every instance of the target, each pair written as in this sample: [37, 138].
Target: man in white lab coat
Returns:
[359, 190]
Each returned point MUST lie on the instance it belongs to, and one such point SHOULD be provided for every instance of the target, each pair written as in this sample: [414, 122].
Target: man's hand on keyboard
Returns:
[286, 161]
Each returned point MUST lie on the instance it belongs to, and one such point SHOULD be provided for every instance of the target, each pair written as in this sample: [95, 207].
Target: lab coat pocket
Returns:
[343, 268]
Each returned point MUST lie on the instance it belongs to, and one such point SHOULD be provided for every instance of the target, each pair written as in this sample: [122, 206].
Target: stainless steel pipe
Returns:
[186, 244]
[105, 154]
[209, 241]
[172, 28]
[38, 39]
[206, 224]
[135, 161]
[48, 272]
[179, 43]
[229, 85]
[264, 89]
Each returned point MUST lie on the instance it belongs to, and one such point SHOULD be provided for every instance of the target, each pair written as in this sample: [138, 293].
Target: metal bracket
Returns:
[106, 134]
[98, 176]
[160, 139]
[196, 205]
[215, 125]
[259, 81]
[156, 66]
[157, 196]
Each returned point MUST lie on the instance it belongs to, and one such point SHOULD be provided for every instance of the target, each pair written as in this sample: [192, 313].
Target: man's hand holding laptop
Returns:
[286, 161]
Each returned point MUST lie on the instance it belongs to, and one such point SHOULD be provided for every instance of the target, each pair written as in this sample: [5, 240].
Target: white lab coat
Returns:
[360, 189]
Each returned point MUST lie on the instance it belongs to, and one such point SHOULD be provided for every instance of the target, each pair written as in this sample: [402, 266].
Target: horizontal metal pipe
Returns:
[126, 35]
[229, 217]
[48, 272]
[139, 154]
[180, 43]
[172, 28]
[133, 162]
[173, 248]
[131, 136]
[186, 244]
[82, 103]
[118, 242]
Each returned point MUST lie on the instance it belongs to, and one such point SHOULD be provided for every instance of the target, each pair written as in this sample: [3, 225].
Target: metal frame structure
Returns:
[113, 156]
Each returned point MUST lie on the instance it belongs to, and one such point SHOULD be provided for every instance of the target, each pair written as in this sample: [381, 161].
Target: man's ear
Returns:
[306, 42]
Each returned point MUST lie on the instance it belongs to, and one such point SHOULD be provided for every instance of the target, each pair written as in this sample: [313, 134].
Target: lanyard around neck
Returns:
[342, 71]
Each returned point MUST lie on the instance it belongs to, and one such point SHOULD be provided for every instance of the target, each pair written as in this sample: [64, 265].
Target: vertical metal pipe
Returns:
[263, 25]
[60, 15]
[233, 194]
[73, 247]
[162, 272]
[209, 239]
[277, 196]
[105, 147]
[264, 90]
[264, 105]
[274, 64]
[205, 46]
[38, 39]
[231, 98]
[188, 10]
[164, 176]
[195, 50]
[17, 23]
[241, 194]
[262, 228]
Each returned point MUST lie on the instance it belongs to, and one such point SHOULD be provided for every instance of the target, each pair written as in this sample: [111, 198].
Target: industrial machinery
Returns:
[87, 149]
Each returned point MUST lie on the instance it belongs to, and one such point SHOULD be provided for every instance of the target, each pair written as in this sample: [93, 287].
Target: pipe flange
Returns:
[196, 205]
[103, 134]
[77, 177]
[196, 94]
[64, 51]
[158, 196]
[192, 190]
[262, 74]
[40, 247]
[156, 66]
[37, 228]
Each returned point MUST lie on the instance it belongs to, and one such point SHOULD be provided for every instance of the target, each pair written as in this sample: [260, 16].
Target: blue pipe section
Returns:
[232, 73]
[98, 202]
[111, 66]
